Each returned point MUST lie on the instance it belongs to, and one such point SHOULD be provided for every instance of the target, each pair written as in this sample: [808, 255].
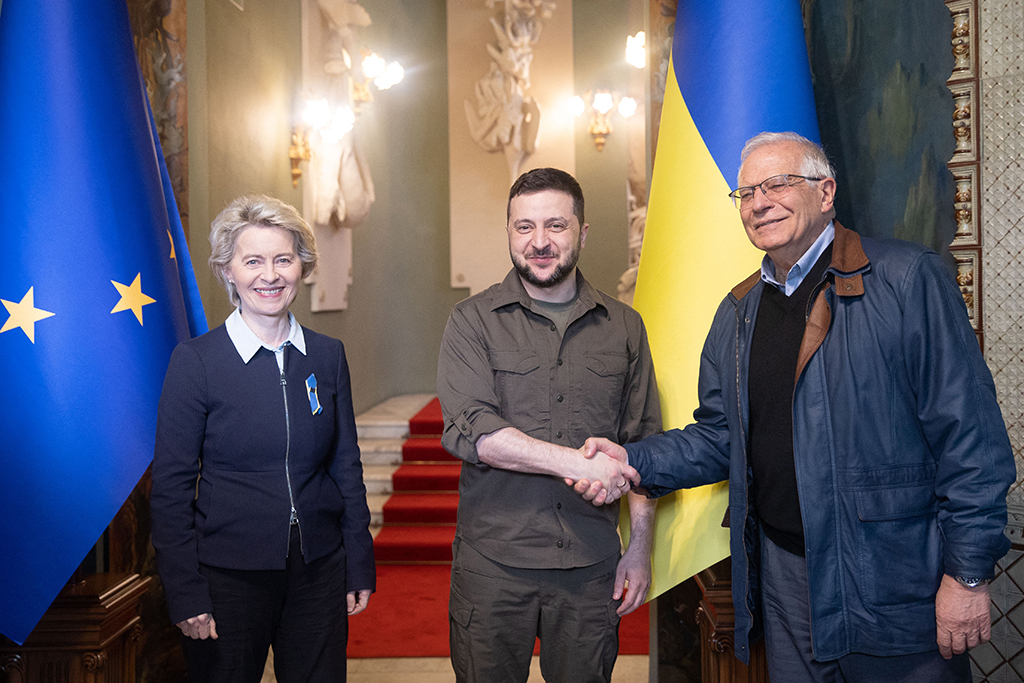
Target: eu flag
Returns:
[96, 289]
[738, 68]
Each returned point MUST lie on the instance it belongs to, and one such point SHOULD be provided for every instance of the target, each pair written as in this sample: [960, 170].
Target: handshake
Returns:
[603, 474]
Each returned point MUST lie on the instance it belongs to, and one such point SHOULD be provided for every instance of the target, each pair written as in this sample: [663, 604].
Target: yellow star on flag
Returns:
[171, 239]
[132, 297]
[25, 315]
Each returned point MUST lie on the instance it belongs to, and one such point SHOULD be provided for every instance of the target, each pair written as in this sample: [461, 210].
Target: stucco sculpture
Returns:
[504, 117]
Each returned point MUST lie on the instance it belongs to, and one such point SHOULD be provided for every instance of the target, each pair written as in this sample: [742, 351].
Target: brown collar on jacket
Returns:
[847, 257]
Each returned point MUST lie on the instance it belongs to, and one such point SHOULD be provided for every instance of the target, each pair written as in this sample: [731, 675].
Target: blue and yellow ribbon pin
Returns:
[314, 401]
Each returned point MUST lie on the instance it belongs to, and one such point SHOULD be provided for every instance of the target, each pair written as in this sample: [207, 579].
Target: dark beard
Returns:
[561, 272]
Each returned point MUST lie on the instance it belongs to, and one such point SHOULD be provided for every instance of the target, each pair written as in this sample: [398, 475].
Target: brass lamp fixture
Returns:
[601, 103]
[334, 122]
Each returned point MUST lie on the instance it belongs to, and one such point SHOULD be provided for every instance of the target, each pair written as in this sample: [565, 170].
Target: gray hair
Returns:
[815, 163]
[259, 211]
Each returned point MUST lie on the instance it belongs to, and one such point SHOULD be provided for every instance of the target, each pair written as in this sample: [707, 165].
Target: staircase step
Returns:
[412, 544]
[427, 422]
[422, 508]
[390, 419]
[412, 477]
[379, 479]
[376, 504]
[381, 451]
[425, 449]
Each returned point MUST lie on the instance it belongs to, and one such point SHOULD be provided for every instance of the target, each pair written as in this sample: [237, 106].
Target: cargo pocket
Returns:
[900, 545]
[460, 610]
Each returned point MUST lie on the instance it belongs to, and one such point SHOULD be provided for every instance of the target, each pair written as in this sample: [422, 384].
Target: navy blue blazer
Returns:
[230, 424]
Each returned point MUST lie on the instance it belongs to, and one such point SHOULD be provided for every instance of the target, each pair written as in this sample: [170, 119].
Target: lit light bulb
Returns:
[373, 65]
[317, 113]
[577, 106]
[392, 75]
[627, 107]
[341, 123]
[603, 102]
[636, 54]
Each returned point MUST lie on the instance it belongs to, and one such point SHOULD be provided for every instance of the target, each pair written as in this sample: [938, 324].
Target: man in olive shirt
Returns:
[528, 370]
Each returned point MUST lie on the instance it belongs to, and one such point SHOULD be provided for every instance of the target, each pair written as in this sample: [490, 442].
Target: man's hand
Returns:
[962, 617]
[609, 478]
[634, 576]
[199, 627]
[596, 489]
[357, 601]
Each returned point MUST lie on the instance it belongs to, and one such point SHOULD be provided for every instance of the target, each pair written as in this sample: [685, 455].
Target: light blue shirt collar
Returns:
[800, 269]
[247, 343]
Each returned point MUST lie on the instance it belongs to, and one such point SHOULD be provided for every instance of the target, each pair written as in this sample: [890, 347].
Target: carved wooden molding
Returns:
[965, 165]
[13, 666]
[93, 661]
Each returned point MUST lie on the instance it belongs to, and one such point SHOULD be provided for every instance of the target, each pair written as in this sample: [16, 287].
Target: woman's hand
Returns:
[203, 626]
[357, 601]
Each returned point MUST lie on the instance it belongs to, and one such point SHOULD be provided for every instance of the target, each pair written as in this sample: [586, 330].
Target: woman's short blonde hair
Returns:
[260, 211]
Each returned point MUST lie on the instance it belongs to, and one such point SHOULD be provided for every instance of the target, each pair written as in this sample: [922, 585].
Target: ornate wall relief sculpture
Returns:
[504, 117]
[338, 191]
[508, 91]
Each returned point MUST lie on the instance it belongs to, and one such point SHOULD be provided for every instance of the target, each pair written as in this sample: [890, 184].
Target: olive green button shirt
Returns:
[503, 364]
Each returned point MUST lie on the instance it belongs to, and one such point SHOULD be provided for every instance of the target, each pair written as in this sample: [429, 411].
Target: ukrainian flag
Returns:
[738, 67]
[96, 290]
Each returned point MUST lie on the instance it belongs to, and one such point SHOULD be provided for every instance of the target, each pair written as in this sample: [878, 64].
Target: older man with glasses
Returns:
[845, 398]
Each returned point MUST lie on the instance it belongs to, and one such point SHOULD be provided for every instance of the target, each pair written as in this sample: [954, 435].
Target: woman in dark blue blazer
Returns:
[260, 521]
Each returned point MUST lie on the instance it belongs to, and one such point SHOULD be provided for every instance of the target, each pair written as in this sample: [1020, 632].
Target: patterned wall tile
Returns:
[1002, 21]
[1002, 207]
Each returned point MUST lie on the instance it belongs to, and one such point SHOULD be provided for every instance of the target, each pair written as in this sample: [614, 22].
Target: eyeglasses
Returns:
[773, 188]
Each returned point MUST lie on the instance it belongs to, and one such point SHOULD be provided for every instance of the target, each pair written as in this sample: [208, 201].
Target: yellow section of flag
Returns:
[694, 252]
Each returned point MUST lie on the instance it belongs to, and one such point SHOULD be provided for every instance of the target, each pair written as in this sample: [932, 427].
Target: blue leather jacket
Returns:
[902, 458]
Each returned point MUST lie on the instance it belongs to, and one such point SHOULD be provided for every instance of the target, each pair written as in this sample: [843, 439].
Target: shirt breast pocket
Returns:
[599, 392]
[520, 388]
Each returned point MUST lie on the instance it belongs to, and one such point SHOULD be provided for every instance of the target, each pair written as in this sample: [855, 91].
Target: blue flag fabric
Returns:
[741, 67]
[96, 290]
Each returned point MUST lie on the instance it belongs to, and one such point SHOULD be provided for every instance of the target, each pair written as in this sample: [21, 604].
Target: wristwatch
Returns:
[970, 582]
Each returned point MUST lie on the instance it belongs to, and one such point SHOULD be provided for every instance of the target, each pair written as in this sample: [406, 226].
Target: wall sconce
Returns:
[318, 116]
[601, 104]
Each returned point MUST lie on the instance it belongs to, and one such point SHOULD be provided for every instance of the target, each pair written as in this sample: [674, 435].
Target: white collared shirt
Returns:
[247, 343]
[799, 271]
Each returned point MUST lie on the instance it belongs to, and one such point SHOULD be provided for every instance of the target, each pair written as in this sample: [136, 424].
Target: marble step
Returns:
[377, 479]
[381, 451]
[390, 419]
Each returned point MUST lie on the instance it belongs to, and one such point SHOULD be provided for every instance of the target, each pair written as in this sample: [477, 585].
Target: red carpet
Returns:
[427, 477]
[408, 617]
[427, 422]
[425, 449]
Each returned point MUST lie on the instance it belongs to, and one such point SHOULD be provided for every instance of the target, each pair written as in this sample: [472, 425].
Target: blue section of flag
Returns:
[742, 69]
[85, 203]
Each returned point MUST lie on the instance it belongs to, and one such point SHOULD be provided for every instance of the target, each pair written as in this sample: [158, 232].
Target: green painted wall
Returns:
[243, 71]
[599, 32]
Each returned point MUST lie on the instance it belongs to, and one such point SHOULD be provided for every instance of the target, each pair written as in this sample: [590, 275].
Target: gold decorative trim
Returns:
[965, 111]
[965, 206]
[963, 45]
[965, 165]
[968, 265]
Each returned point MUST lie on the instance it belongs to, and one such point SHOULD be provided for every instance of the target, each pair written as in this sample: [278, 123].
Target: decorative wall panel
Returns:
[990, 229]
